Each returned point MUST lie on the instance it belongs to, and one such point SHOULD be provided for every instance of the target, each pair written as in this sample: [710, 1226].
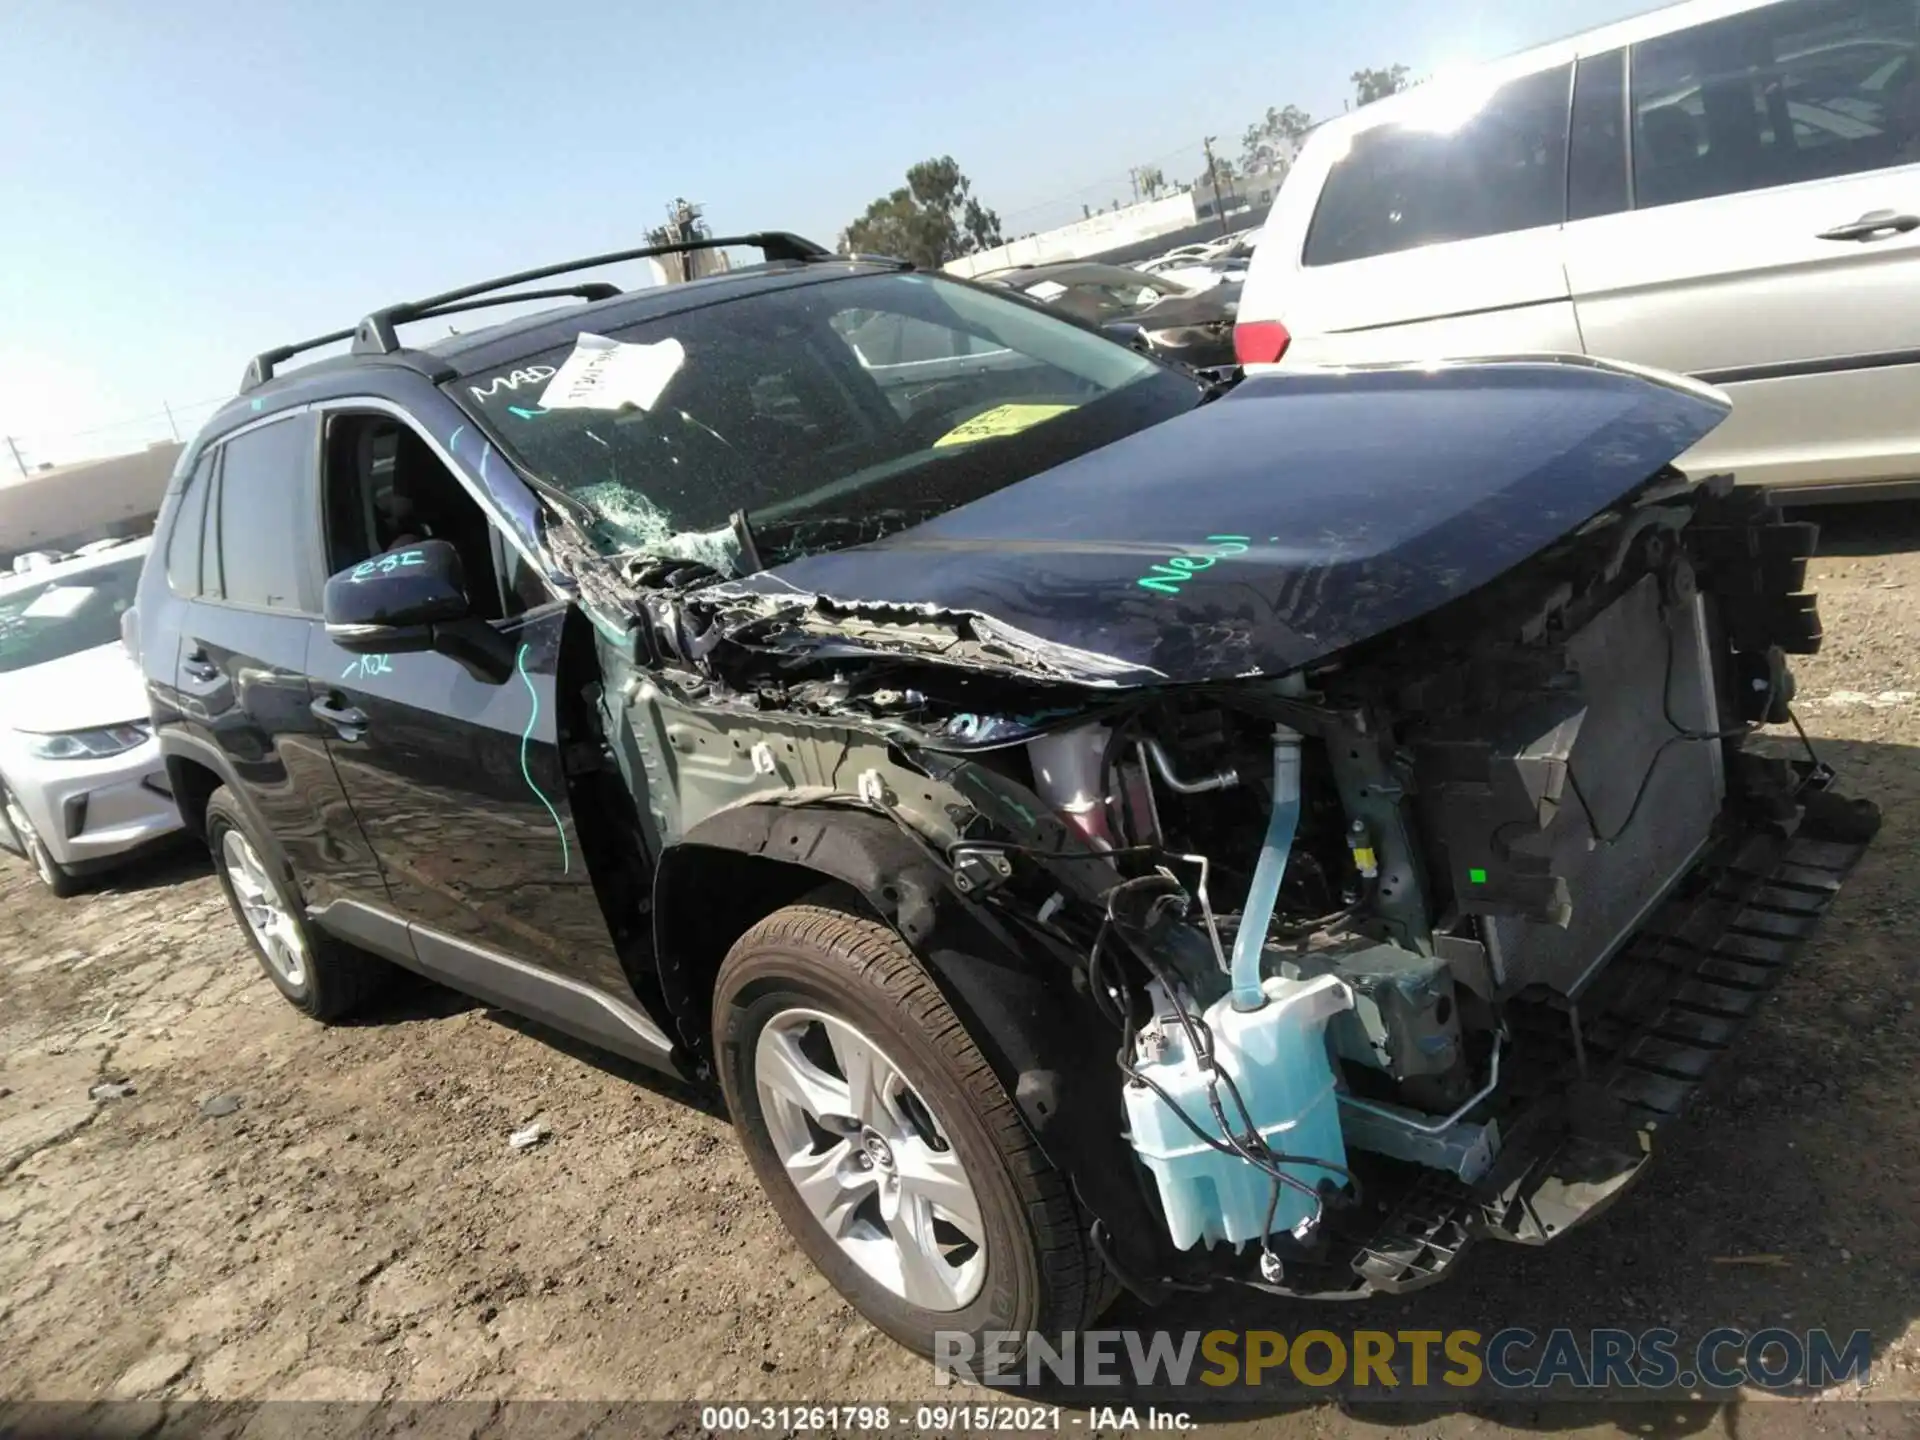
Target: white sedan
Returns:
[82, 784]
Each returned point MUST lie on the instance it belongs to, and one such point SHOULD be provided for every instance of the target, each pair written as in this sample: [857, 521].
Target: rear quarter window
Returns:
[189, 520]
[1449, 172]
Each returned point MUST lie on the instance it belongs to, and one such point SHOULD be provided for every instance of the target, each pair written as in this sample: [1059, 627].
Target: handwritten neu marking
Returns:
[1169, 575]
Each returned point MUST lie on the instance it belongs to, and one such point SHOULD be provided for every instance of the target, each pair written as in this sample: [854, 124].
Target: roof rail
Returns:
[376, 335]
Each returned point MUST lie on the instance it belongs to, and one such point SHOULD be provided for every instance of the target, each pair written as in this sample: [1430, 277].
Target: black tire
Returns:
[337, 980]
[56, 877]
[1041, 1272]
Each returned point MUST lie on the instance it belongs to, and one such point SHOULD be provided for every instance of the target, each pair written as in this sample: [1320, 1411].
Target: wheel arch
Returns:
[1010, 984]
[195, 770]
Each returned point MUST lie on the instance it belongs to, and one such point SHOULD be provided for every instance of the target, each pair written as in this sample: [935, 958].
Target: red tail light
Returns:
[1259, 342]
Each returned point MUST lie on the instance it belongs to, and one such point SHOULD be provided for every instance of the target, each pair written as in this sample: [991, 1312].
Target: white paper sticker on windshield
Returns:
[57, 602]
[603, 374]
[1047, 290]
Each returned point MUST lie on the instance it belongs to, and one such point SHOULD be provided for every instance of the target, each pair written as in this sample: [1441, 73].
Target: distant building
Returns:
[68, 505]
[1253, 191]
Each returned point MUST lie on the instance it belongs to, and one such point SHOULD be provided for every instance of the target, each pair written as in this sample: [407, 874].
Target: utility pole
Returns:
[1133, 179]
[1213, 178]
[11, 445]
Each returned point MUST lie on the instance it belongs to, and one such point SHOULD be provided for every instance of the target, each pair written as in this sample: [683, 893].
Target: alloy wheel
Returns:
[870, 1160]
[260, 905]
[29, 839]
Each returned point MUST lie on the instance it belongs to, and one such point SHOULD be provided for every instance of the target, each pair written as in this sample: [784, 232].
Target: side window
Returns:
[1789, 93]
[383, 486]
[189, 524]
[1597, 149]
[525, 589]
[1449, 176]
[263, 532]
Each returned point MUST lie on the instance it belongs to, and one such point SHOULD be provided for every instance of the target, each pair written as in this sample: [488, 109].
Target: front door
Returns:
[455, 777]
[1774, 243]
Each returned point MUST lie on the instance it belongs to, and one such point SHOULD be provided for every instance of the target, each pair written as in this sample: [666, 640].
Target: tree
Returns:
[1272, 141]
[1151, 181]
[1372, 85]
[1222, 166]
[932, 219]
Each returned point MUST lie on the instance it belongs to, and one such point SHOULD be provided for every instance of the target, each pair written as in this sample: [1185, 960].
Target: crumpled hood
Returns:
[84, 691]
[1298, 515]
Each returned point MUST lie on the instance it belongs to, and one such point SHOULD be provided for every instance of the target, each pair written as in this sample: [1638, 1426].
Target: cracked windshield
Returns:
[819, 417]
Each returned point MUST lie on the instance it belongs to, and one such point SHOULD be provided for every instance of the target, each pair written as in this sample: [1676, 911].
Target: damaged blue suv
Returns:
[1094, 824]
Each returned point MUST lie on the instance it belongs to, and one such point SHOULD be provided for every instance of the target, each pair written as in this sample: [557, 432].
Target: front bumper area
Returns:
[91, 814]
[1596, 1079]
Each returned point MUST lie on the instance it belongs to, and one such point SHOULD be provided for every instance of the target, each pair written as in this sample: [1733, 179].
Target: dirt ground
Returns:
[357, 1227]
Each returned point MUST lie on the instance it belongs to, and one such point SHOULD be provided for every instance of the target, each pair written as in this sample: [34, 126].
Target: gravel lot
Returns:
[357, 1227]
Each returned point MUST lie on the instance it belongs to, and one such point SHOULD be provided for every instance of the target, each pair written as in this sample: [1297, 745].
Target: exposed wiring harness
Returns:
[1680, 732]
[1115, 1001]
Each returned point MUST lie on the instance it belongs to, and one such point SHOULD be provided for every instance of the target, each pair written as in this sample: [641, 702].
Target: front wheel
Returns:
[886, 1143]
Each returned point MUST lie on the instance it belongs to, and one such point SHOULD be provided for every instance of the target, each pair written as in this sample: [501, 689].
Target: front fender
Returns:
[1013, 986]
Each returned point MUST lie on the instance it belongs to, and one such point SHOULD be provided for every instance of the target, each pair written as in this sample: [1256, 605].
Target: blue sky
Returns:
[184, 184]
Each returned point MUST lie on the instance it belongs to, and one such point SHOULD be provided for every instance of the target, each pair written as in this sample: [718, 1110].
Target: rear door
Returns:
[241, 676]
[1435, 232]
[1773, 246]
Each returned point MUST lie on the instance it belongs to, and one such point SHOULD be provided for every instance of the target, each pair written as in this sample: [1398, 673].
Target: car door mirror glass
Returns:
[406, 588]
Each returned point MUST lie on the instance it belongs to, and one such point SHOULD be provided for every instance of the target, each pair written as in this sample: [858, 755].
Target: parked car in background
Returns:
[1727, 188]
[1203, 275]
[1179, 255]
[82, 783]
[1151, 312]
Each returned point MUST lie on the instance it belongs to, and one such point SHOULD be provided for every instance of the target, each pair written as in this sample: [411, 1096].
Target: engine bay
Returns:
[1338, 887]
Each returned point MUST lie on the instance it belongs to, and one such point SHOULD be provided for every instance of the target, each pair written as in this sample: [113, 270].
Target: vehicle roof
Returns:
[62, 569]
[453, 356]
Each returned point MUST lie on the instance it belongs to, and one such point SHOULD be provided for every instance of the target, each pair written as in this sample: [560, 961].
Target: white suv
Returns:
[1728, 189]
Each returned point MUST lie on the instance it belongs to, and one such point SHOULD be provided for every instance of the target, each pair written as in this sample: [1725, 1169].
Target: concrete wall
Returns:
[61, 508]
[1095, 235]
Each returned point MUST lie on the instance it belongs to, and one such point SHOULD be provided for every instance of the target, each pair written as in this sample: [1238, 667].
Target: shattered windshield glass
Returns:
[824, 415]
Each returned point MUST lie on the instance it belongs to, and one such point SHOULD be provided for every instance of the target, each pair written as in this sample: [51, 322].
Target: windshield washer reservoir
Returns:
[1277, 1058]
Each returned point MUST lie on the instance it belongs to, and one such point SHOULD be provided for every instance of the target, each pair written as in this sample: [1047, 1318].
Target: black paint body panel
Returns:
[1362, 500]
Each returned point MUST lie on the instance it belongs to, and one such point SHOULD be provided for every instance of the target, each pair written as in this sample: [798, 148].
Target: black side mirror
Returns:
[411, 587]
[414, 598]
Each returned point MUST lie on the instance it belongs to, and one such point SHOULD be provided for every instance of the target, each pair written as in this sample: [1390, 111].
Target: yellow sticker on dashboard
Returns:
[1001, 420]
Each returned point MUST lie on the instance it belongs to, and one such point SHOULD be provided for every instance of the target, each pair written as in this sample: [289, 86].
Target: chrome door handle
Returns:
[1871, 224]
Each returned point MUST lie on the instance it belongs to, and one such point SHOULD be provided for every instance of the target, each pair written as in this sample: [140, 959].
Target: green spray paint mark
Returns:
[1169, 575]
[1477, 875]
[368, 665]
[526, 771]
